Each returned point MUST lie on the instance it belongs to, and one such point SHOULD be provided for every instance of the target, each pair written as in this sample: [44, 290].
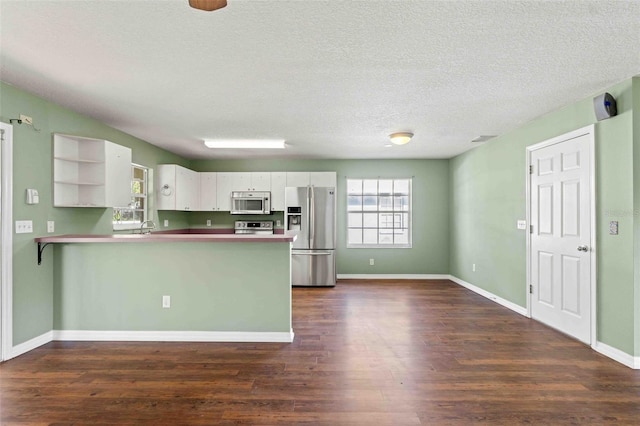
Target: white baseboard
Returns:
[393, 276]
[175, 336]
[507, 304]
[617, 355]
[31, 344]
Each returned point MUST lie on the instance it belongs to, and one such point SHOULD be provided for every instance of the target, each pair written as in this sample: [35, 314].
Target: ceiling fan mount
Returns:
[208, 5]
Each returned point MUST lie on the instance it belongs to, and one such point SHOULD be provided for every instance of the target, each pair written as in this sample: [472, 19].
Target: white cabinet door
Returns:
[323, 179]
[260, 181]
[208, 191]
[166, 187]
[278, 183]
[297, 178]
[117, 164]
[187, 189]
[224, 186]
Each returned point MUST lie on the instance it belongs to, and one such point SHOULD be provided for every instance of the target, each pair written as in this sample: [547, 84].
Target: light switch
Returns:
[24, 226]
[522, 224]
[613, 227]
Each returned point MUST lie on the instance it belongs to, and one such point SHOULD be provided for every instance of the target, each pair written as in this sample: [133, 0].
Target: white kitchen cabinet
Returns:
[278, 183]
[178, 188]
[260, 181]
[297, 178]
[208, 191]
[326, 179]
[224, 186]
[90, 172]
[323, 179]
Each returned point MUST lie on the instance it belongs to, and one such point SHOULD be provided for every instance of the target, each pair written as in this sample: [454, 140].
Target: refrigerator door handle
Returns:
[312, 218]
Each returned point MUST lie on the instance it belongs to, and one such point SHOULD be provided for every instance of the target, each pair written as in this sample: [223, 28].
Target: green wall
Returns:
[487, 187]
[210, 286]
[636, 209]
[430, 251]
[32, 168]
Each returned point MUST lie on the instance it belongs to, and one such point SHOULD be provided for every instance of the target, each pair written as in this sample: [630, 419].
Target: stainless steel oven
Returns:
[249, 227]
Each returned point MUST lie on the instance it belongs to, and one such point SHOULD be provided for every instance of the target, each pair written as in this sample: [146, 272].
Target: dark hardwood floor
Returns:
[365, 353]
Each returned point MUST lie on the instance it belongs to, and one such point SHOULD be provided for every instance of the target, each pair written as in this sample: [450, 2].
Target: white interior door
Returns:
[560, 244]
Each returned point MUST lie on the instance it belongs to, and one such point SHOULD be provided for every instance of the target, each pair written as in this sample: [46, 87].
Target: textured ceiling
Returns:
[333, 78]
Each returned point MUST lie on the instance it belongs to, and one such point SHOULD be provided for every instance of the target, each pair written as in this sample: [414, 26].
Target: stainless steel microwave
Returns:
[251, 202]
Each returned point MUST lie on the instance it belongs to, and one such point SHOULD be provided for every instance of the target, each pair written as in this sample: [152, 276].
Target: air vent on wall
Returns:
[483, 138]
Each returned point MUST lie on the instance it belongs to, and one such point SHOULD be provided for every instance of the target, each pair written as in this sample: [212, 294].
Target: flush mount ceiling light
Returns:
[208, 5]
[400, 138]
[245, 143]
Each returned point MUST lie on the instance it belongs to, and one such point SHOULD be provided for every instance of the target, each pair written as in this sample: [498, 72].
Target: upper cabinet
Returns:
[278, 183]
[90, 172]
[208, 191]
[178, 188]
[327, 179]
[183, 189]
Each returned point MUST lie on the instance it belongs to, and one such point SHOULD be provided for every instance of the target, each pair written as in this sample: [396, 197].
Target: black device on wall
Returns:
[604, 106]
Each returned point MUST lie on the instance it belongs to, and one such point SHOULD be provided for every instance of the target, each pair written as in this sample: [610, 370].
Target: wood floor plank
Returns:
[370, 352]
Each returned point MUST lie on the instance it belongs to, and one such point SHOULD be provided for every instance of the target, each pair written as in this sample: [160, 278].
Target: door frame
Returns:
[6, 237]
[588, 131]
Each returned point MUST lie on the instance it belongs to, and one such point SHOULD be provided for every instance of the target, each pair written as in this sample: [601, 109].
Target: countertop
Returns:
[168, 238]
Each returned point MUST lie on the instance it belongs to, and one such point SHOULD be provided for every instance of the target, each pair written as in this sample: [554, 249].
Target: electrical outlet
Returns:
[208, 222]
[166, 301]
[24, 226]
[166, 223]
[278, 223]
[26, 119]
[473, 267]
[51, 226]
[371, 262]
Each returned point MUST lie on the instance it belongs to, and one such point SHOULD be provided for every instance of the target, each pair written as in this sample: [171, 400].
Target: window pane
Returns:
[370, 203]
[401, 236]
[385, 186]
[386, 203]
[354, 236]
[138, 173]
[401, 203]
[386, 220]
[370, 236]
[354, 186]
[354, 203]
[370, 186]
[355, 220]
[370, 220]
[136, 187]
[386, 236]
[401, 186]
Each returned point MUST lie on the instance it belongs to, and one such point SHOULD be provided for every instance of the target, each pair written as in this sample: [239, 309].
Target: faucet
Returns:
[147, 228]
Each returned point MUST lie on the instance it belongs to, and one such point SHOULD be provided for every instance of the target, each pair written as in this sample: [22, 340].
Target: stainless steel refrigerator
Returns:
[312, 212]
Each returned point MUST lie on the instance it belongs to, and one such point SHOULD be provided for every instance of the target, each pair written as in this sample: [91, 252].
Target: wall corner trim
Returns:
[617, 355]
[31, 344]
[174, 336]
[499, 300]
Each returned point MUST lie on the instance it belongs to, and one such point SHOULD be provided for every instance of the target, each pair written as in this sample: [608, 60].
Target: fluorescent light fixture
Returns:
[245, 143]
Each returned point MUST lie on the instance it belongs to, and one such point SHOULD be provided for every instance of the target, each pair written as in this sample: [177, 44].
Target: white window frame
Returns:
[128, 225]
[409, 212]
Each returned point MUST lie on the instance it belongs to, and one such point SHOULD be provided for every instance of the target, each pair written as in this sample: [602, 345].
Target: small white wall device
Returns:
[604, 106]
[32, 196]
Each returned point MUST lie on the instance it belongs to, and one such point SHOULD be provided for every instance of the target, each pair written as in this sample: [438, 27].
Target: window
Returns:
[132, 216]
[378, 213]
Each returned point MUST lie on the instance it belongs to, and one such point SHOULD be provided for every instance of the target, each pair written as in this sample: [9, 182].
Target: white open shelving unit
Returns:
[90, 172]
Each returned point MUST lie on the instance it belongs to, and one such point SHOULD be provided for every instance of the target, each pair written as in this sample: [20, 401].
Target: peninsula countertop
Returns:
[169, 238]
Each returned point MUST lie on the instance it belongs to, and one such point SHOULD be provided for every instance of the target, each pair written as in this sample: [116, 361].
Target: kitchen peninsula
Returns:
[172, 287]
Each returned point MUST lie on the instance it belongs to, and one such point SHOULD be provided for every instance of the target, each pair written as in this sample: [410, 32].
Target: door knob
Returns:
[583, 248]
